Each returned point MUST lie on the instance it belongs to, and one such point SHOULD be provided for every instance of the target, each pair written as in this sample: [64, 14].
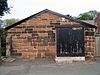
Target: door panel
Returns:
[70, 41]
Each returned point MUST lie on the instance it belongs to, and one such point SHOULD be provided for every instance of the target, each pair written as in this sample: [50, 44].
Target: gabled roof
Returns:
[49, 11]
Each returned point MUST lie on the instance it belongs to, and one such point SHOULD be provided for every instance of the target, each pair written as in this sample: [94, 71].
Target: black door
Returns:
[70, 41]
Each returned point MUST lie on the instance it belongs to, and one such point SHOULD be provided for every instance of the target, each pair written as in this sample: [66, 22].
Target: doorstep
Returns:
[69, 59]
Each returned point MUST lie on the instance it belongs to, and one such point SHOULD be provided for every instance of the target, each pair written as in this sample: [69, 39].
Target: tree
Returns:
[90, 15]
[85, 16]
[11, 21]
[93, 13]
[1, 24]
[4, 7]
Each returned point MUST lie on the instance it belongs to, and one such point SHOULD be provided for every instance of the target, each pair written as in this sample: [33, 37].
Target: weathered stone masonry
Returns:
[89, 40]
[36, 37]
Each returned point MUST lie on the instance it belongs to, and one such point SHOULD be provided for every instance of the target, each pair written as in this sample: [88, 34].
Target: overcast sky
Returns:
[24, 8]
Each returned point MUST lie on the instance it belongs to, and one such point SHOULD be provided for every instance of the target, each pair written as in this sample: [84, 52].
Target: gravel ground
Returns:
[49, 67]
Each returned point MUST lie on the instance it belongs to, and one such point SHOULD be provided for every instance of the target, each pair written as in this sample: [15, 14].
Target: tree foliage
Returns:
[93, 13]
[11, 21]
[85, 16]
[3, 7]
[90, 15]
